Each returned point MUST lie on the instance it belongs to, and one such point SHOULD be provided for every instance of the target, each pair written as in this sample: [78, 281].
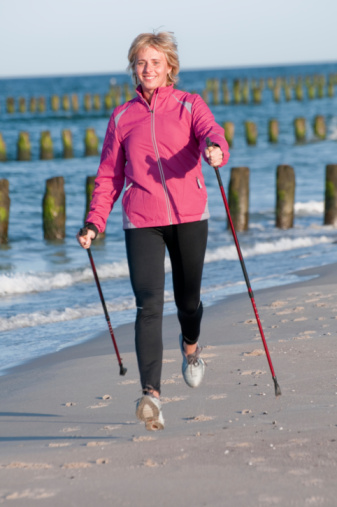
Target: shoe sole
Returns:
[149, 413]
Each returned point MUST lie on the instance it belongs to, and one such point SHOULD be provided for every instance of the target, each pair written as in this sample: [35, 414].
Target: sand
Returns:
[69, 435]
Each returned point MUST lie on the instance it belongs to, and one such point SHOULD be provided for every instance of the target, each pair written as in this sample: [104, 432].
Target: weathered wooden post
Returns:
[330, 213]
[91, 142]
[32, 105]
[299, 90]
[127, 92]
[273, 131]
[205, 95]
[216, 92]
[238, 197]
[229, 129]
[226, 96]
[320, 127]
[251, 132]
[89, 188]
[4, 210]
[67, 141]
[55, 102]
[24, 147]
[54, 209]
[66, 103]
[277, 93]
[320, 87]
[257, 95]
[74, 102]
[237, 96]
[108, 102]
[285, 196]
[287, 92]
[3, 154]
[46, 146]
[311, 91]
[41, 104]
[300, 129]
[10, 105]
[22, 105]
[245, 92]
[97, 102]
[87, 101]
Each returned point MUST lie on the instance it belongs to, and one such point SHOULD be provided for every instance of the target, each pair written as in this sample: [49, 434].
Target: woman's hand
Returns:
[214, 156]
[84, 237]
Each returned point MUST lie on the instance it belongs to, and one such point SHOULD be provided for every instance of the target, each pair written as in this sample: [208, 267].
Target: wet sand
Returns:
[69, 435]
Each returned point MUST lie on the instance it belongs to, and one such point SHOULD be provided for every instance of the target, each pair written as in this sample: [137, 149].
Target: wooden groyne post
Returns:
[46, 146]
[91, 142]
[285, 196]
[330, 212]
[23, 146]
[251, 133]
[300, 129]
[4, 210]
[67, 141]
[54, 209]
[320, 127]
[229, 129]
[273, 131]
[238, 197]
[3, 153]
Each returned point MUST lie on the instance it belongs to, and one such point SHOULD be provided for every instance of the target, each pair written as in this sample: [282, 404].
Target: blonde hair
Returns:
[164, 42]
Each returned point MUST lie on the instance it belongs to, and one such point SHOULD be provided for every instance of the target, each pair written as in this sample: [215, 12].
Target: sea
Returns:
[48, 297]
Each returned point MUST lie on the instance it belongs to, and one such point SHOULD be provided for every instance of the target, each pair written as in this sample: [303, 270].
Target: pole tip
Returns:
[277, 387]
[122, 370]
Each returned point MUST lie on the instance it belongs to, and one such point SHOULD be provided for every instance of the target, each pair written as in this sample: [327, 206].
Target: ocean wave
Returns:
[309, 208]
[24, 283]
[265, 248]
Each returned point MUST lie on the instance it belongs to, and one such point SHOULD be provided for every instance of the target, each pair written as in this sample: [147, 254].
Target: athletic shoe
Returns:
[148, 409]
[193, 367]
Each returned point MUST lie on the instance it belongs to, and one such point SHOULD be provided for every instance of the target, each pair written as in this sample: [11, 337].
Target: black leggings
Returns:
[186, 244]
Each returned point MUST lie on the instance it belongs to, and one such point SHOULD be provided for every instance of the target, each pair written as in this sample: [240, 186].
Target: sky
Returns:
[63, 37]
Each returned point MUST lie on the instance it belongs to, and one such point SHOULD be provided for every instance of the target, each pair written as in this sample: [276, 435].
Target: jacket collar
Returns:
[162, 92]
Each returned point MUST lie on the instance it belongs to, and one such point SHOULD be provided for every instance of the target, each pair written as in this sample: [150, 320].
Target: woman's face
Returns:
[151, 69]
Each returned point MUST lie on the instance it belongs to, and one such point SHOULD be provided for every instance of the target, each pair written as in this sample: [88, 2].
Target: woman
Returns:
[153, 145]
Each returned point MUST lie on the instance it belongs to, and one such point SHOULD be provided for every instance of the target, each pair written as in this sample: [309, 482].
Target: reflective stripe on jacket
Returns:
[155, 151]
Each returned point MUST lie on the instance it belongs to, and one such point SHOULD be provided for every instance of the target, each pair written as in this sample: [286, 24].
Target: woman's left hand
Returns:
[214, 156]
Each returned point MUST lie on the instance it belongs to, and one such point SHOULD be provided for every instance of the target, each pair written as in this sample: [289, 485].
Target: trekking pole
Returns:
[122, 370]
[245, 274]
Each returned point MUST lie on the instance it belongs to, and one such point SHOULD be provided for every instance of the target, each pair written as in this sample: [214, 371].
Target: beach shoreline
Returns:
[70, 436]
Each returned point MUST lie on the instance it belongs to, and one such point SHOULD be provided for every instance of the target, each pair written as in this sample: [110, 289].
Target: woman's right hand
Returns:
[85, 237]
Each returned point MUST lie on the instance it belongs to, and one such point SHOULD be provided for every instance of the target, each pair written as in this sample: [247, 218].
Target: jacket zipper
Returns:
[161, 171]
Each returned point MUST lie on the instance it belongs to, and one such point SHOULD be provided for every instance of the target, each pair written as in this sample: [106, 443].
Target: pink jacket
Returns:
[156, 151]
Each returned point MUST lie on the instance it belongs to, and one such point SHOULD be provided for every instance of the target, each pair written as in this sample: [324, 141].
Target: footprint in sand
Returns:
[69, 404]
[291, 310]
[34, 494]
[199, 418]
[27, 466]
[252, 372]
[143, 439]
[255, 352]
[217, 396]
[76, 465]
[70, 430]
[97, 444]
[110, 428]
[127, 382]
[99, 405]
[165, 361]
[150, 463]
[174, 398]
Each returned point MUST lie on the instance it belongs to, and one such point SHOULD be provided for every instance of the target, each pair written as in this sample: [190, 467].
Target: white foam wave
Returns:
[23, 283]
[66, 314]
[264, 248]
[309, 208]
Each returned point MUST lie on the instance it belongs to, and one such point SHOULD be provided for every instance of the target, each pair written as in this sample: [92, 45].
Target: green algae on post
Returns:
[3, 153]
[67, 141]
[285, 196]
[300, 129]
[24, 151]
[251, 133]
[238, 197]
[91, 142]
[53, 209]
[330, 212]
[273, 131]
[46, 146]
[229, 129]
[4, 210]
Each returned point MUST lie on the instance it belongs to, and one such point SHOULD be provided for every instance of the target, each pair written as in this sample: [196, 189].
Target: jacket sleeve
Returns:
[109, 181]
[204, 125]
